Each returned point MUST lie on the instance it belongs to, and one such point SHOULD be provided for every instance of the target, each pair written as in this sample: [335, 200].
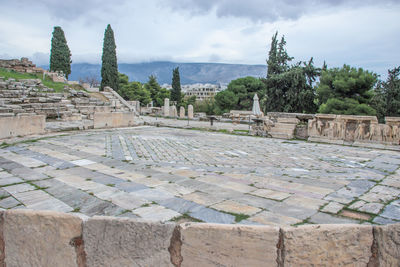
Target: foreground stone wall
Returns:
[22, 125]
[32, 238]
[113, 119]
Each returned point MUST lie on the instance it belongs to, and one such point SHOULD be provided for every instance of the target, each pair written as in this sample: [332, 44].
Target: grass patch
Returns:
[124, 211]
[238, 216]
[305, 221]
[110, 185]
[37, 186]
[57, 86]
[241, 131]
[185, 217]
[77, 210]
[4, 145]
[3, 197]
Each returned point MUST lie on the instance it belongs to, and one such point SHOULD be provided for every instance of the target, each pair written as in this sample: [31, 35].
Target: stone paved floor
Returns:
[167, 174]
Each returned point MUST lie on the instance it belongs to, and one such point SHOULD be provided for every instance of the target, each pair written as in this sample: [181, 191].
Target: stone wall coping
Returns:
[392, 119]
[49, 238]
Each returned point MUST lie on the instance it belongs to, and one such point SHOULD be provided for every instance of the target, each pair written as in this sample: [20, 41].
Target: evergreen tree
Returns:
[109, 67]
[272, 61]
[176, 87]
[288, 88]
[152, 86]
[392, 92]
[324, 66]
[386, 100]
[278, 57]
[60, 55]
[239, 94]
[346, 91]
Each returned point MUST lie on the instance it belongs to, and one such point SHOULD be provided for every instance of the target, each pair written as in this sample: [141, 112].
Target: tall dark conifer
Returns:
[176, 87]
[60, 55]
[272, 61]
[109, 67]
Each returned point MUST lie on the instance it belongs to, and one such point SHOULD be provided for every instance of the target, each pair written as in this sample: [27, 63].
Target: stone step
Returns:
[281, 135]
[283, 127]
[7, 114]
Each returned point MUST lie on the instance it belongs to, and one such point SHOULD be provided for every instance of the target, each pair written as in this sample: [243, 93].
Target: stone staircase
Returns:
[283, 128]
[117, 102]
[32, 97]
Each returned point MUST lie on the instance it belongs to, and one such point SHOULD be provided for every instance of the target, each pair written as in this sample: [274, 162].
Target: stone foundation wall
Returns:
[32, 238]
[23, 65]
[22, 125]
[331, 128]
[113, 119]
[350, 129]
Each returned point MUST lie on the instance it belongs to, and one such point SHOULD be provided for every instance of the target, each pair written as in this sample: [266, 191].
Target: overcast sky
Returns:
[362, 33]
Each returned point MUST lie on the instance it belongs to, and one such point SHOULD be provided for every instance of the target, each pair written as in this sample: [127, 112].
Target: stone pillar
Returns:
[190, 112]
[182, 112]
[173, 112]
[166, 107]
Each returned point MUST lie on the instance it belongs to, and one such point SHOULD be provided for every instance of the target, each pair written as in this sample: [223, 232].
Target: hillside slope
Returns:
[190, 72]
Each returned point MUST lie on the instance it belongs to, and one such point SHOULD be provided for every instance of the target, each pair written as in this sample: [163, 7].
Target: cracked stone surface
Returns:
[164, 174]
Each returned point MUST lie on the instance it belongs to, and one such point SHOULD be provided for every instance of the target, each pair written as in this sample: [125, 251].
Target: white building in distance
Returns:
[200, 90]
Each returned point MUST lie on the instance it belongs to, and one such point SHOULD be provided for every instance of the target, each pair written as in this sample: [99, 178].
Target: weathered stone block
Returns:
[172, 111]
[22, 125]
[113, 119]
[43, 238]
[387, 239]
[190, 111]
[182, 112]
[166, 107]
[327, 245]
[126, 242]
[228, 245]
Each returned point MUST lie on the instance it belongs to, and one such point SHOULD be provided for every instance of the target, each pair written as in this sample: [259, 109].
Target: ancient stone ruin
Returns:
[24, 65]
[132, 196]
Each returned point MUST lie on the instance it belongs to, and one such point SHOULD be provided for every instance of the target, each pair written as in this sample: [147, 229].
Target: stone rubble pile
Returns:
[30, 96]
[22, 65]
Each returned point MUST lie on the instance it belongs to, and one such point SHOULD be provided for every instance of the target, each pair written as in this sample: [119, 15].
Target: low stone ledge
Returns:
[22, 125]
[46, 238]
[228, 245]
[42, 238]
[127, 242]
[387, 241]
[113, 119]
[327, 245]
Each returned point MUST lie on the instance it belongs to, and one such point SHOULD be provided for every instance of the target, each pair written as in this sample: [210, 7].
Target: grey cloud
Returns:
[266, 10]
[70, 9]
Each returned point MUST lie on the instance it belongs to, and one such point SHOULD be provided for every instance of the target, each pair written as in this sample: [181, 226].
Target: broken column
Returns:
[182, 112]
[172, 112]
[166, 107]
[190, 111]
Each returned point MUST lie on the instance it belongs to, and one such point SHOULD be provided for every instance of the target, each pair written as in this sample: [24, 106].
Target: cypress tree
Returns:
[109, 67]
[278, 58]
[272, 61]
[60, 55]
[176, 86]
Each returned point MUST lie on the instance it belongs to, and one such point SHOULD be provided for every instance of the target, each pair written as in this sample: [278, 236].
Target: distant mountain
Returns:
[189, 72]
